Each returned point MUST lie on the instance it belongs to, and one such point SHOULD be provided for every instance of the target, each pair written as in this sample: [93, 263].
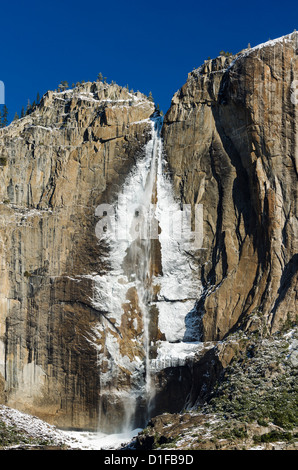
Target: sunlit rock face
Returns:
[84, 311]
[57, 165]
[230, 137]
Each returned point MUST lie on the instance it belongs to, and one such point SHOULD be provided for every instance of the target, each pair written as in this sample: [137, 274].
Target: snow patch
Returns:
[271, 43]
[39, 429]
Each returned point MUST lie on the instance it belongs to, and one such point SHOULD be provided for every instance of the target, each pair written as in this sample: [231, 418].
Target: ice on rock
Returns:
[146, 209]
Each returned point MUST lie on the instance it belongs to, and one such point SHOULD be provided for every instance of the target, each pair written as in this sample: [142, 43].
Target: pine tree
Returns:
[22, 112]
[16, 117]
[63, 86]
[37, 98]
[99, 77]
[28, 109]
[150, 97]
[5, 116]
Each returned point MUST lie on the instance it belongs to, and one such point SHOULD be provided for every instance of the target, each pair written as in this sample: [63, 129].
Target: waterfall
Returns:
[147, 291]
[140, 229]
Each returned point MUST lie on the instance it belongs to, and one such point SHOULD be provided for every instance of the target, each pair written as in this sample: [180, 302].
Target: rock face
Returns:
[230, 143]
[253, 406]
[230, 137]
[57, 165]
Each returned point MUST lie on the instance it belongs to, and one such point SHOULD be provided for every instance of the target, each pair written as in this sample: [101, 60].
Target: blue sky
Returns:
[151, 46]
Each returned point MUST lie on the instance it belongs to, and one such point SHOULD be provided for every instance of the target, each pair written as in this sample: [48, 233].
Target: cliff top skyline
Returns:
[150, 50]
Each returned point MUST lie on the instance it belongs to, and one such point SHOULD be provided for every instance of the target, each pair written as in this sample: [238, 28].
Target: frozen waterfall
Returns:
[149, 290]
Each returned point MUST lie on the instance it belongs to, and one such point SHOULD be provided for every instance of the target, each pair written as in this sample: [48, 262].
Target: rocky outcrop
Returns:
[252, 406]
[56, 165]
[230, 137]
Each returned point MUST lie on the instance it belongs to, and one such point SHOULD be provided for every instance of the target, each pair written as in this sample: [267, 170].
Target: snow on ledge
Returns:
[271, 43]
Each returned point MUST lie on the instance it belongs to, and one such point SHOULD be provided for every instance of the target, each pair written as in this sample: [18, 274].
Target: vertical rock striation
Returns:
[230, 137]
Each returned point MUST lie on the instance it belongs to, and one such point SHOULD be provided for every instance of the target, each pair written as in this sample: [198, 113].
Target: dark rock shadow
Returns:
[193, 322]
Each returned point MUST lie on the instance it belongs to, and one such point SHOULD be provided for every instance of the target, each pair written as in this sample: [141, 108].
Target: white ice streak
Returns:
[173, 354]
[179, 284]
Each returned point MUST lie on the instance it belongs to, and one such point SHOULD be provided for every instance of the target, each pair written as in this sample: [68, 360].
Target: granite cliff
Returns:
[230, 145]
[231, 140]
[57, 165]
